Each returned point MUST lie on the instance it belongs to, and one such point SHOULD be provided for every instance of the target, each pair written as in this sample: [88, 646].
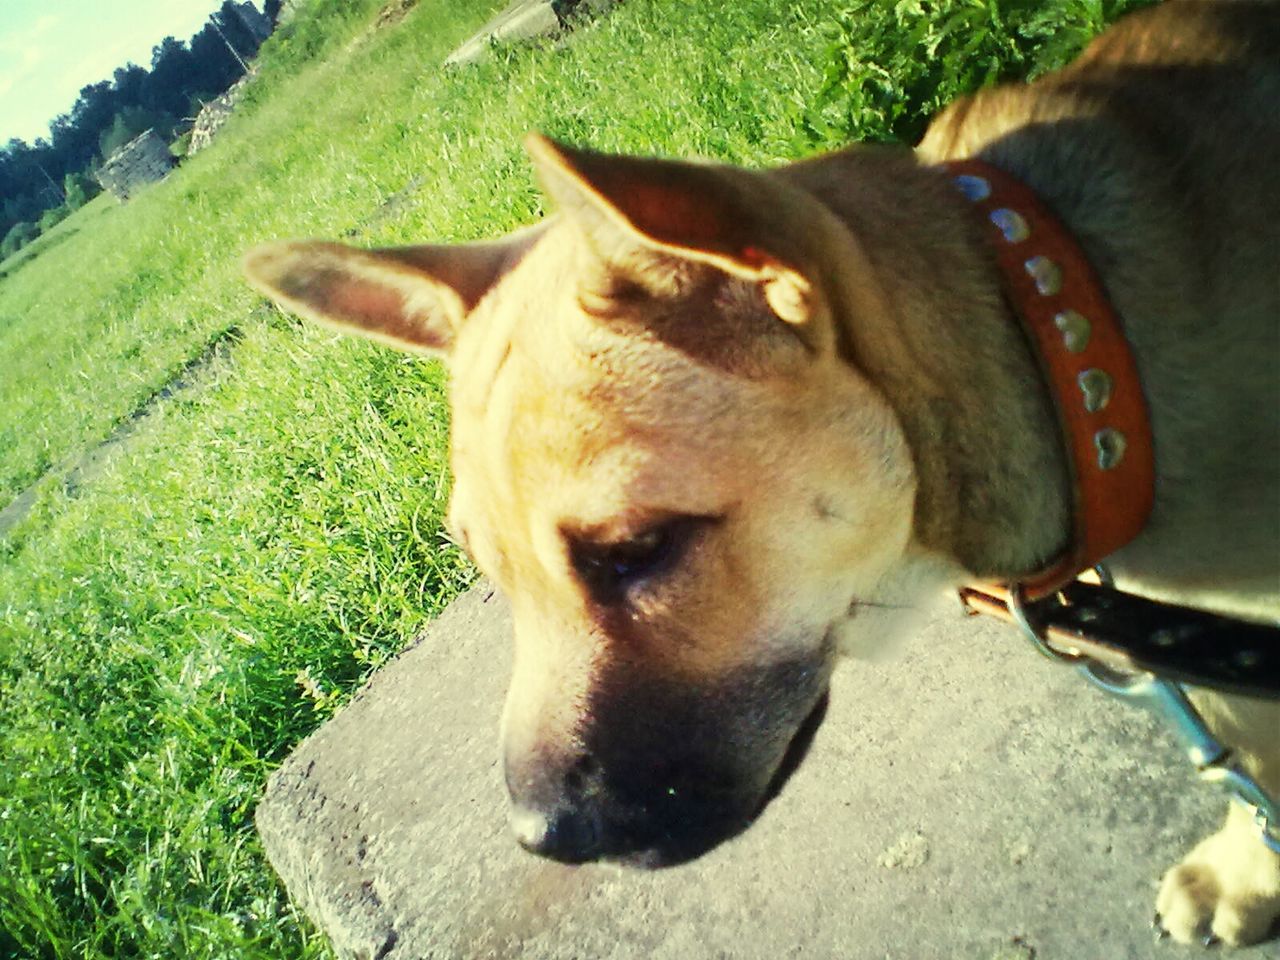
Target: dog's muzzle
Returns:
[659, 774]
[669, 818]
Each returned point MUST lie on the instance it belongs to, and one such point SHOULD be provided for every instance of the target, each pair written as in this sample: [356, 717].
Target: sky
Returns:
[49, 49]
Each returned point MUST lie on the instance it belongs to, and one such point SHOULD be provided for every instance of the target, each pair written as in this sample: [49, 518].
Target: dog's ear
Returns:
[697, 211]
[413, 298]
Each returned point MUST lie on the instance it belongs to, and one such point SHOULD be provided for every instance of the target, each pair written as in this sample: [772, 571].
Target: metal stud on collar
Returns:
[1097, 391]
[1072, 327]
[1011, 224]
[973, 188]
[1046, 274]
[1110, 445]
[1095, 384]
[1075, 330]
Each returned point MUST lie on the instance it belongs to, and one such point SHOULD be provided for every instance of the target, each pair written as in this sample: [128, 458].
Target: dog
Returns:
[713, 427]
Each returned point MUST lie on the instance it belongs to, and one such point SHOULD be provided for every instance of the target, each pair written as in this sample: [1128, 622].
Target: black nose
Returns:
[567, 835]
[659, 815]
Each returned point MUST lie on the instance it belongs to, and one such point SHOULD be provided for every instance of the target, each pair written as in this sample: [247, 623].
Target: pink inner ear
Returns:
[672, 216]
[378, 309]
[367, 304]
[682, 216]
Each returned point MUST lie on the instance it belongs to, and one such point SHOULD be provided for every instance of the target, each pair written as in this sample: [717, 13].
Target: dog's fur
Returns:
[711, 425]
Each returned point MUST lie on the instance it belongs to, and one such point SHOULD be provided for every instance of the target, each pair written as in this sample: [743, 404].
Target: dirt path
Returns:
[78, 470]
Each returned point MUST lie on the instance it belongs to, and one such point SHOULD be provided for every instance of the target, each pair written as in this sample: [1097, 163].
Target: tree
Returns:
[130, 83]
[75, 137]
[217, 69]
[234, 29]
[79, 188]
[52, 217]
[17, 191]
[172, 70]
[111, 112]
[18, 236]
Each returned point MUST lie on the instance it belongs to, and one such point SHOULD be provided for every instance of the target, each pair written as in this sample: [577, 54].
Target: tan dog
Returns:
[712, 425]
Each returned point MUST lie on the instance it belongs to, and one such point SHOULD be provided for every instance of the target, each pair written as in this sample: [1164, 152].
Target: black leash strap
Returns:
[1128, 632]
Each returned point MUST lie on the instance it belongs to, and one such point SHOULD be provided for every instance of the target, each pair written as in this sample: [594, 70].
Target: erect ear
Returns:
[711, 214]
[413, 298]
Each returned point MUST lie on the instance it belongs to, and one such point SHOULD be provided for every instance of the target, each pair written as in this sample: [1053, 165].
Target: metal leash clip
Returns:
[1167, 700]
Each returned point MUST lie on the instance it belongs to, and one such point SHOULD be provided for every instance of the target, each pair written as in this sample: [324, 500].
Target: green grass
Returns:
[172, 626]
[85, 218]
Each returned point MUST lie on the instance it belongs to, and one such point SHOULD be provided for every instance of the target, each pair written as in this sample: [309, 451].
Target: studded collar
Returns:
[1085, 359]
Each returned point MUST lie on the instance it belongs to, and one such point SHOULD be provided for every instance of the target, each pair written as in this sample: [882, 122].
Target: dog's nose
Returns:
[570, 836]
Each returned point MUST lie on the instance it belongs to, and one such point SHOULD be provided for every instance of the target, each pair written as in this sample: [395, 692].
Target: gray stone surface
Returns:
[524, 20]
[966, 800]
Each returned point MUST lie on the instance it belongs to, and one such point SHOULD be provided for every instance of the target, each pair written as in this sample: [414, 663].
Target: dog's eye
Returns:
[609, 568]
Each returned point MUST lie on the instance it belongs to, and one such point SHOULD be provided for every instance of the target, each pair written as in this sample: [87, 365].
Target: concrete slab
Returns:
[524, 20]
[967, 800]
[521, 20]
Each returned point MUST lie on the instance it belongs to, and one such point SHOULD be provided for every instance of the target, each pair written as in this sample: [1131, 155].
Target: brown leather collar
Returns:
[1086, 361]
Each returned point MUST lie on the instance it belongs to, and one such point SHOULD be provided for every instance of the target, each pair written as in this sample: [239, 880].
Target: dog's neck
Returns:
[952, 360]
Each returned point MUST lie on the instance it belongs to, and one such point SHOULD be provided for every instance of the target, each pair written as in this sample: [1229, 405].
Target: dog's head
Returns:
[662, 457]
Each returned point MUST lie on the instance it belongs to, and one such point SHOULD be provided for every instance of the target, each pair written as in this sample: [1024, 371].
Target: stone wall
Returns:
[214, 114]
[143, 160]
[527, 20]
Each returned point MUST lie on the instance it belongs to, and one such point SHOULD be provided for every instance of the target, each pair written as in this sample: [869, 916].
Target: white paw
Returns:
[1227, 889]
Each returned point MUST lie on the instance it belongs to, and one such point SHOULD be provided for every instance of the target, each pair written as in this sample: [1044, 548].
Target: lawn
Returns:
[172, 625]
